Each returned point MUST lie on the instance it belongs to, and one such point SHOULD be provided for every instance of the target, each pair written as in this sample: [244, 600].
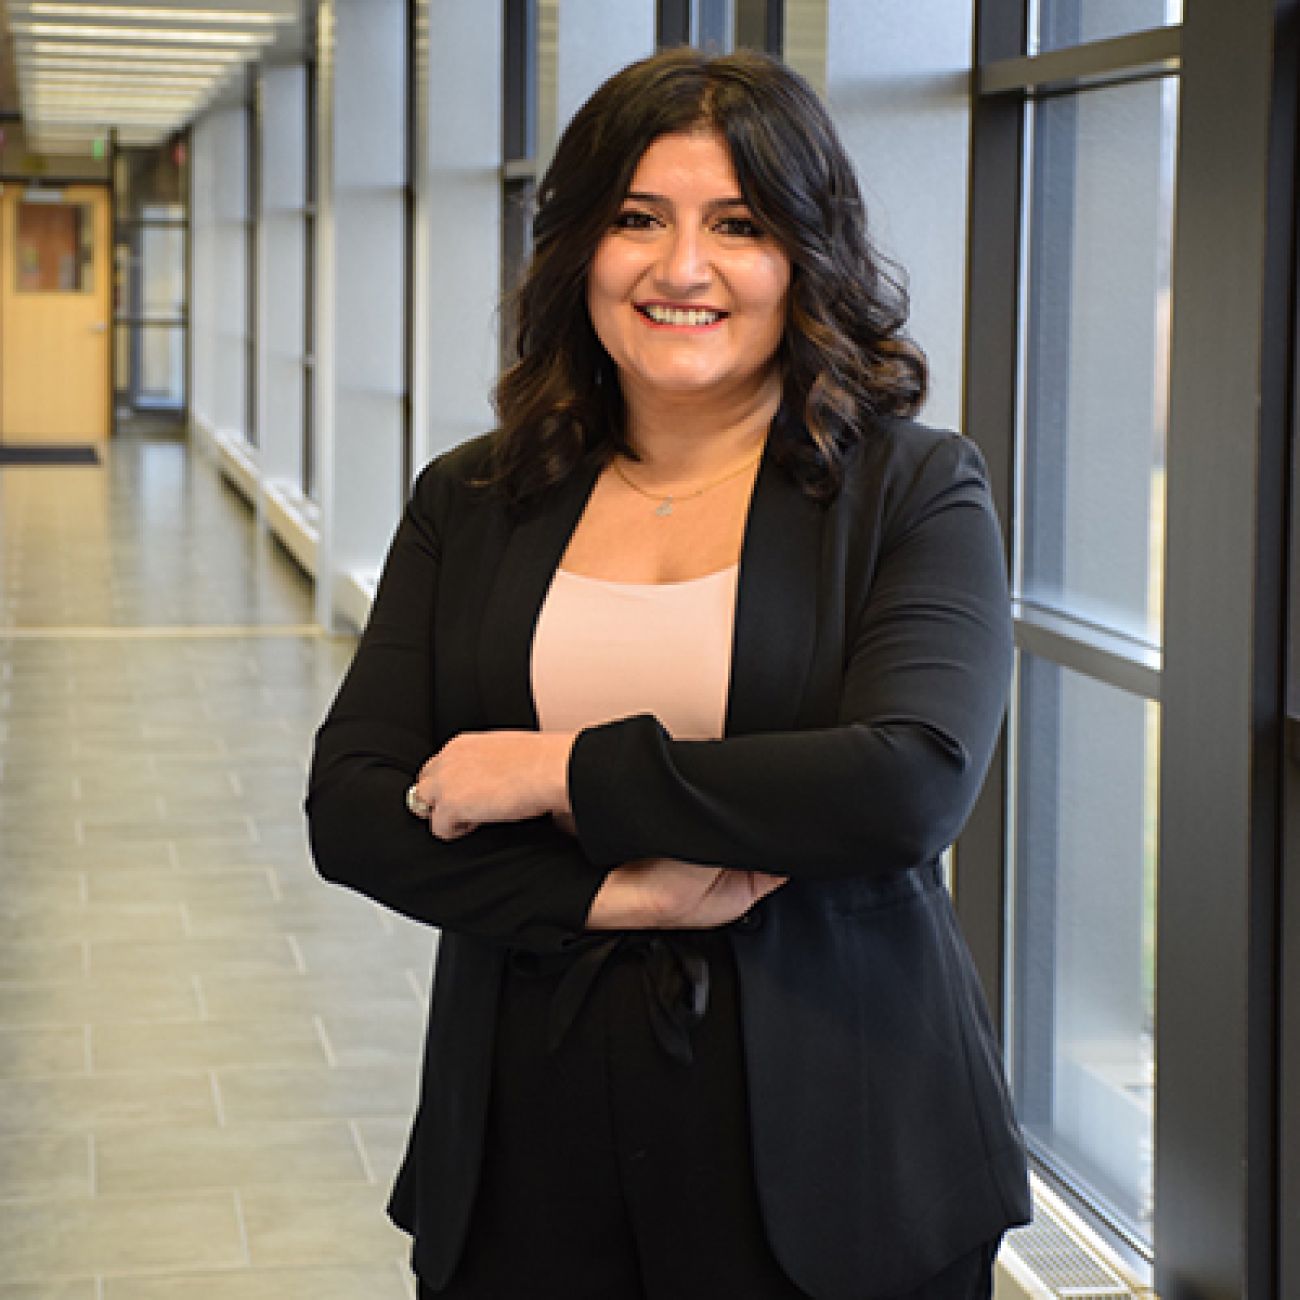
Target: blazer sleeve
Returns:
[890, 784]
[523, 885]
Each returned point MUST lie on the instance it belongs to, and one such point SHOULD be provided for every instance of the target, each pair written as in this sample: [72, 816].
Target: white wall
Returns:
[281, 272]
[219, 307]
[361, 291]
[898, 85]
[459, 224]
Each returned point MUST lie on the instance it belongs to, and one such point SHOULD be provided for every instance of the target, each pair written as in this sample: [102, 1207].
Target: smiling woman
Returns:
[675, 781]
[687, 293]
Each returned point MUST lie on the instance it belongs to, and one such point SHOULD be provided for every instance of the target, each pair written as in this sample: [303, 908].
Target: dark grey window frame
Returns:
[417, 117]
[519, 131]
[308, 469]
[1227, 1217]
[252, 219]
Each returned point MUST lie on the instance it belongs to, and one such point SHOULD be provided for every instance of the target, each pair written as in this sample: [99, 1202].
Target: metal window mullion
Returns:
[1098, 658]
[997, 128]
[1157, 52]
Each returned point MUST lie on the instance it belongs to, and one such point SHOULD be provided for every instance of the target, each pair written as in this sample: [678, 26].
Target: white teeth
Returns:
[681, 315]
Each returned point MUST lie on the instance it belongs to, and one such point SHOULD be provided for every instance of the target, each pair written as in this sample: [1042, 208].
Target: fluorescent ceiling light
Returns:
[151, 14]
[133, 67]
[162, 35]
[138, 52]
[86, 78]
[136, 116]
[176, 98]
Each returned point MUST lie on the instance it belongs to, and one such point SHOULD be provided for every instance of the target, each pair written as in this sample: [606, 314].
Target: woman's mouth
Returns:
[688, 317]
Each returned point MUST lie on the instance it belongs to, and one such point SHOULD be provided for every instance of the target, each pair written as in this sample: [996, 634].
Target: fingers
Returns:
[446, 827]
[421, 803]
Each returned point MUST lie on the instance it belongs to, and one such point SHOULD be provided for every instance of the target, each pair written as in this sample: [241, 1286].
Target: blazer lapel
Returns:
[532, 552]
[776, 605]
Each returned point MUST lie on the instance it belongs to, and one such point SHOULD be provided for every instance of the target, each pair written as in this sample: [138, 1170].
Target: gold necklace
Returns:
[666, 501]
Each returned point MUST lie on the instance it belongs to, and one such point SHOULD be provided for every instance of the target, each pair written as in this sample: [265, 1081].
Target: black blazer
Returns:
[870, 667]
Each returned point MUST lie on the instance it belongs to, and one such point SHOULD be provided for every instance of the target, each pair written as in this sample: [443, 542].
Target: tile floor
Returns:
[207, 1056]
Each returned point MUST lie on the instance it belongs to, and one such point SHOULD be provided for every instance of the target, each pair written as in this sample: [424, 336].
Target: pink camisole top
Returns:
[604, 650]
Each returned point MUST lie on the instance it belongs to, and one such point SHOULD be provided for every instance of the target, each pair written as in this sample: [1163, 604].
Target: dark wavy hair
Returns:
[843, 357]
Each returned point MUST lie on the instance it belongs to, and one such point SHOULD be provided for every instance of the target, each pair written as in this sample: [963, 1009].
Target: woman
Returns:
[674, 690]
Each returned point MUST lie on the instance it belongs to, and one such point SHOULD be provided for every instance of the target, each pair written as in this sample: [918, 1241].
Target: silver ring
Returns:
[417, 805]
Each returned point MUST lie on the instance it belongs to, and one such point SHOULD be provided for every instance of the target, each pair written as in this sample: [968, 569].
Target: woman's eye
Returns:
[634, 221]
[743, 226]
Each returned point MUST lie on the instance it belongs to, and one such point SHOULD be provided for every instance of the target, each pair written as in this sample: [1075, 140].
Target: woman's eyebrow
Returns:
[644, 196]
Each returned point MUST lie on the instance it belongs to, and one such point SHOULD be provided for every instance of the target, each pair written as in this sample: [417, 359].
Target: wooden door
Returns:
[55, 308]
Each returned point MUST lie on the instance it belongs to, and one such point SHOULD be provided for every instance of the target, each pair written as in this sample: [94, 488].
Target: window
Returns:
[151, 252]
[53, 250]
[1072, 230]
[1059, 24]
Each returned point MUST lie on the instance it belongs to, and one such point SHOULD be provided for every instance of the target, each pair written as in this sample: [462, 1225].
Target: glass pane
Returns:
[1083, 971]
[1059, 23]
[1096, 352]
[150, 266]
[54, 250]
[162, 270]
[150, 368]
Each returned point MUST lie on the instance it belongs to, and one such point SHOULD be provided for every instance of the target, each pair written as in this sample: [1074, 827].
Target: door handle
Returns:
[98, 327]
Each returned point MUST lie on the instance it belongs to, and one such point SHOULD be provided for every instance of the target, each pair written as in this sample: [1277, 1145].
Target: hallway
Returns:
[207, 1056]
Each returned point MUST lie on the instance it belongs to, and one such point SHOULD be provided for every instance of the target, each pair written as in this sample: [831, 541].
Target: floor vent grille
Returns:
[1057, 1264]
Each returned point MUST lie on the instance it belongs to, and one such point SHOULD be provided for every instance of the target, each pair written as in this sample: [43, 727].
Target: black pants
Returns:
[613, 1171]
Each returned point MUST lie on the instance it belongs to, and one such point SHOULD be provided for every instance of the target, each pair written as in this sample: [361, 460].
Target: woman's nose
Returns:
[684, 263]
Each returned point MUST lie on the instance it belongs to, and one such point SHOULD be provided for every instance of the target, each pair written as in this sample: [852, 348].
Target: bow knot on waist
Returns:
[674, 979]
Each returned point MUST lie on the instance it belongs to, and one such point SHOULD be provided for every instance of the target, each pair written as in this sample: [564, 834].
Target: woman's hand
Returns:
[495, 776]
[665, 894]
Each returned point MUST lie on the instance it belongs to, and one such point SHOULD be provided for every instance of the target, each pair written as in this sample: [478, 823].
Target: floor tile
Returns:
[359, 1039]
[246, 888]
[83, 1289]
[58, 1165]
[104, 921]
[399, 950]
[345, 1092]
[92, 1103]
[319, 1225]
[36, 959]
[357, 919]
[268, 955]
[39, 1053]
[342, 1283]
[183, 1157]
[106, 1001]
[258, 1040]
[43, 1240]
[384, 1143]
[371, 991]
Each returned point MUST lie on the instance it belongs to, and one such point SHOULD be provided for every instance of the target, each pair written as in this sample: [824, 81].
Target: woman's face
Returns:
[686, 293]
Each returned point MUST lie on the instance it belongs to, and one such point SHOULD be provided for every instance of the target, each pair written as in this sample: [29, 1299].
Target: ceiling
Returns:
[73, 70]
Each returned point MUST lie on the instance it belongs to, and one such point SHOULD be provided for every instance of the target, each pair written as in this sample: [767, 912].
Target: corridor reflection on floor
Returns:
[207, 1056]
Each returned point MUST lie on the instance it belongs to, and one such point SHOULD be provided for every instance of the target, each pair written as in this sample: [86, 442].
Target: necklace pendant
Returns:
[664, 508]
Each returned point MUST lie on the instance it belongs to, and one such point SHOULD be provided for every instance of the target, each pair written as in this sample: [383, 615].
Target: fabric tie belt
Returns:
[674, 978]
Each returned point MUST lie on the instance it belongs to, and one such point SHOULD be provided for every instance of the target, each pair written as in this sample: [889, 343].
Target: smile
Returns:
[659, 314]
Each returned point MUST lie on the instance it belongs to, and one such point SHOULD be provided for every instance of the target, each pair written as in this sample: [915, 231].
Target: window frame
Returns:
[1224, 1184]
